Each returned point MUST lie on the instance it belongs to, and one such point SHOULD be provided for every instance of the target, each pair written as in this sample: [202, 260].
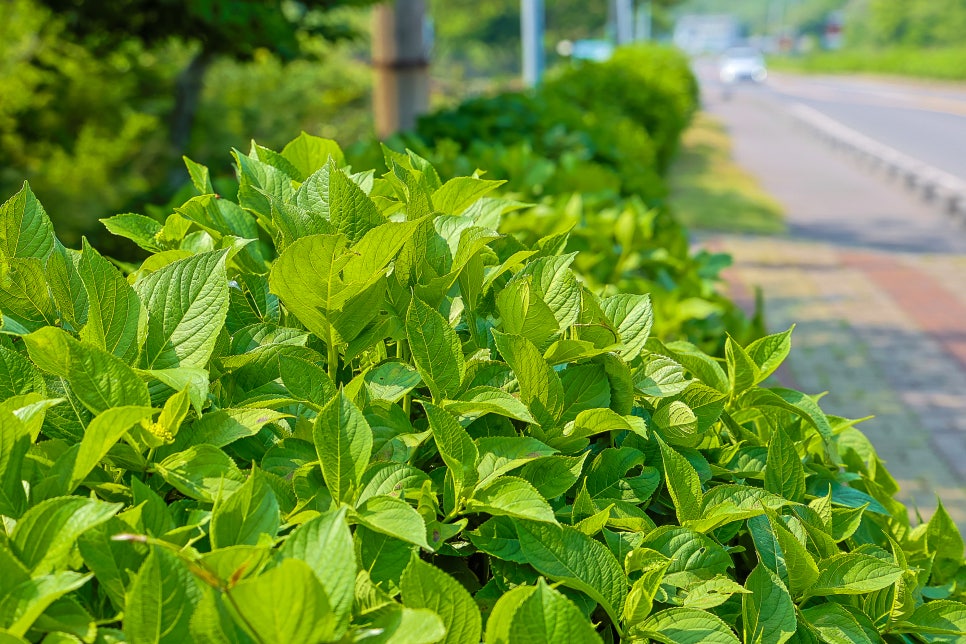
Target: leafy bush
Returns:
[592, 166]
[625, 114]
[345, 408]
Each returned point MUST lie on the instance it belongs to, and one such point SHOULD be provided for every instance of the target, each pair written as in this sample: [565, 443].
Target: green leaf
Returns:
[245, 516]
[25, 303]
[202, 472]
[501, 617]
[309, 153]
[546, 615]
[98, 379]
[14, 443]
[393, 517]
[481, 400]
[455, 446]
[513, 497]
[142, 230]
[161, 600]
[200, 177]
[712, 592]
[524, 313]
[768, 612]
[392, 380]
[935, 621]
[17, 375]
[66, 618]
[700, 364]
[782, 553]
[459, 193]
[688, 626]
[383, 558]
[351, 210]
[631, 317]
[325, 543]
[45, 535]
[285, 604]
[694, 556]
[944, 541]
[835, 624]
[557, 286]
[567, 555]
[677, 423]
[225, 426]
[343, 440]
[116, 320]
[306, 381]
[436, 350]
[24, 603]
[769, 352]
[853, 574]
[500, 454]
[395, 624]
[66, 285]
[104, 431]
[425, 586]
[743, 373]
[307, 278]
[683, 483]
[784, 473]
[25, 228]
[660, 377]
[553, 475]
[540, 386]
[187, 303]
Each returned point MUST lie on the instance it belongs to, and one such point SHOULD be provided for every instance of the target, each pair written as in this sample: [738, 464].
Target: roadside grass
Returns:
[709, 191]
[944, 63]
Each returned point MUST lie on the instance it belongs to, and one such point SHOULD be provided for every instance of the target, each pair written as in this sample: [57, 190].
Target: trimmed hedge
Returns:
[344, 407]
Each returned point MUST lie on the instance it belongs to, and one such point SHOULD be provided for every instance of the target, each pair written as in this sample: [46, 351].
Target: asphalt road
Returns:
[924, 121]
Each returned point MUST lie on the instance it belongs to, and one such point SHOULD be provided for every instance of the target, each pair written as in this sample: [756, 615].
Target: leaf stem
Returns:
[402, 352]
[333, 355]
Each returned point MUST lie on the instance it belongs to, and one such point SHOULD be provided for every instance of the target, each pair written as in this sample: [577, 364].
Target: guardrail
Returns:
[934, 184]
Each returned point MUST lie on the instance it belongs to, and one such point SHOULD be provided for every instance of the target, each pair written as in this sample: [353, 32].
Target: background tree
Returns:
[212, 28]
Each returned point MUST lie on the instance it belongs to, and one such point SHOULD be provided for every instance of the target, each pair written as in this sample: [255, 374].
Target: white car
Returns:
[743, 64]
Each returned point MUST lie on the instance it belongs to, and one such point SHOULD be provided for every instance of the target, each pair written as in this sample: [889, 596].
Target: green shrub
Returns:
[625, 115]
[345, 408]
[650, 85]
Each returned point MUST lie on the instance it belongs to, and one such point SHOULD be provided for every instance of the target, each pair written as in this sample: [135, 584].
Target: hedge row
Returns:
[589, 151]
[346, 408]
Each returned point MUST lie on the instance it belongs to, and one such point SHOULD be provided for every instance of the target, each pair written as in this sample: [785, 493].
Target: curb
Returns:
[935, 185]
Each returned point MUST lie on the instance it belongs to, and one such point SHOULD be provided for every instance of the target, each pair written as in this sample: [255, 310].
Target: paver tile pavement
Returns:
[875, 281]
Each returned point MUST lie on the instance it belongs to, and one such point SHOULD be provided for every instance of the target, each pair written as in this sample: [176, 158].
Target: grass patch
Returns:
[709, 191]
[945, 63]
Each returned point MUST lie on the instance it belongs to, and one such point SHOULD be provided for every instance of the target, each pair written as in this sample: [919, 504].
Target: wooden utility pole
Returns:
[531, 36]
[400, 58]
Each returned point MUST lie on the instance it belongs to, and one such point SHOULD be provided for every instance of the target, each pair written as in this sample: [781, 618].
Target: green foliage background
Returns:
[90, 131]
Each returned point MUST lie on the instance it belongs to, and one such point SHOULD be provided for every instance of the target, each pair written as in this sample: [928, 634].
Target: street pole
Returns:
[623, 21]
[531, 35]
[400, 58]
[644, 19]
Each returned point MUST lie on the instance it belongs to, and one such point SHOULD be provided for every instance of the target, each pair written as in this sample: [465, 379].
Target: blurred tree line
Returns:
[99, 100]
[909, 23]
[477, 44]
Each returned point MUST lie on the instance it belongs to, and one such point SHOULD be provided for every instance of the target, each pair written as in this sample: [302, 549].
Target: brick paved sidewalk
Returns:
[876, 282]
[883, 336]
